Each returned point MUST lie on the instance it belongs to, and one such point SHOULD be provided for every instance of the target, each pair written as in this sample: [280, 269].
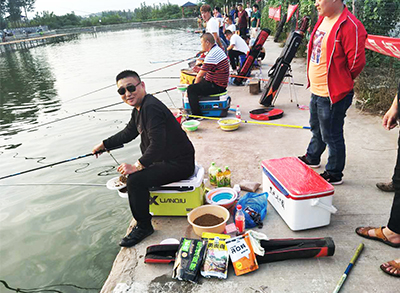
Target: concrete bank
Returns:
[371, 154]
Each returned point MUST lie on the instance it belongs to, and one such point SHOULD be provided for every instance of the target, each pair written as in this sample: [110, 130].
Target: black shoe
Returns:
[307, 162]
[385, 186]
[332, 180]
[137, 235]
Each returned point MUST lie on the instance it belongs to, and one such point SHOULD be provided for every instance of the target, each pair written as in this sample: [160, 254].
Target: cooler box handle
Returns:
[316, 202]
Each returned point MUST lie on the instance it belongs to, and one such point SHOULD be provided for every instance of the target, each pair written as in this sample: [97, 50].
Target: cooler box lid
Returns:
[295, 179]
[186, 185]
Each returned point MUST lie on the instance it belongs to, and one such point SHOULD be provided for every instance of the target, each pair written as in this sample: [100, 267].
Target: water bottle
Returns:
[238, 114]
[239, 219]
[212, 172]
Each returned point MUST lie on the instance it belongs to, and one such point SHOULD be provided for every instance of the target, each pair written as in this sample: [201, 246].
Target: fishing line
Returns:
[88, 111]
[108, 86]
[69, 184]
[171, 100]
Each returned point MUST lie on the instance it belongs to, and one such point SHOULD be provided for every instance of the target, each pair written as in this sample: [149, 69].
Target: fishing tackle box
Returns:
[299, 194]
[213, 105]
[178, 198]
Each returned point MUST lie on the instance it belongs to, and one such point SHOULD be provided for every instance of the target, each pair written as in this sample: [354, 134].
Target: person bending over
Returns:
[167, 153]
[213, 75]
[236, 48]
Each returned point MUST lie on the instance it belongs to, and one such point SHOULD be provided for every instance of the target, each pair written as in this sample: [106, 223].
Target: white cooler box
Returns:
[300, 195]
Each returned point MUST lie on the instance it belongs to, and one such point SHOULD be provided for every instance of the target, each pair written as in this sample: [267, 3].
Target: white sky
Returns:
[85, 7]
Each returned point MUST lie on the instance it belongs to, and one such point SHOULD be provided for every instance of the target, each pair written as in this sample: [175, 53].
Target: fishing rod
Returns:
[88, 111]
[108, 86]
[253, 122]
[61, 162]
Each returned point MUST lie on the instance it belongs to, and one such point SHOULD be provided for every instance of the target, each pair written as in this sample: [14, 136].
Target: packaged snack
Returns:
[189, 259]
[217, 256]
[242, 254]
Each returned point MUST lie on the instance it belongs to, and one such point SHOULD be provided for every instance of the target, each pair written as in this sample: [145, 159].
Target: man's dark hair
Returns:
[128, 73]
[255, 6]
[205, 8]
[228, 32]
[218, 9]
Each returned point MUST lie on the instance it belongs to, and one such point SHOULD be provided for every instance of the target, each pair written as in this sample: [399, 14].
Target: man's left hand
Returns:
[126, 169]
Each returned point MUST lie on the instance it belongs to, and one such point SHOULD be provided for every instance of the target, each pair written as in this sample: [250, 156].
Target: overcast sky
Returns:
[85, 7]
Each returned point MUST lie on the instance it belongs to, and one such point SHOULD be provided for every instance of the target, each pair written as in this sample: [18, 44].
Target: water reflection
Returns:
[26, 90]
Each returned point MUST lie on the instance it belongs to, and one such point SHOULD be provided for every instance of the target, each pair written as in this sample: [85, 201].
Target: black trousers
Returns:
[234, 58]
[155, 175]
[243, 31]
[394, 220]
[201, 89]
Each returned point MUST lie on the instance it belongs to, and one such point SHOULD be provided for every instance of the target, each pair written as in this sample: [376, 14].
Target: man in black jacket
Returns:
[167, 153]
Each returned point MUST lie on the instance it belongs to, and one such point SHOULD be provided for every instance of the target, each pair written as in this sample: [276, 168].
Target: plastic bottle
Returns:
[239, 219]
[212, 172]
[227, 175]
[220, 178]
[238, 114]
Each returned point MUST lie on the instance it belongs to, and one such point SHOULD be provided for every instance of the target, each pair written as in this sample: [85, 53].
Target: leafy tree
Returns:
[28, 6]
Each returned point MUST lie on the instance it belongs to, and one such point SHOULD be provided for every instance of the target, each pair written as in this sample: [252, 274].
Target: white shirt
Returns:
[238, 44]
[231, 27]
[249, 11]
[212, 26]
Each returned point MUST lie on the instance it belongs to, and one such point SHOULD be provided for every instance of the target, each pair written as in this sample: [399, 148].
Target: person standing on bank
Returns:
[255, 22]
[390, 234]
[336, 56]
[242, 20]
[213, 76]
[167, 153]
[212, 23]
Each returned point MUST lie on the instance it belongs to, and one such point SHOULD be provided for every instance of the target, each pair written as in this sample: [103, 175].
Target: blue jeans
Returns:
[326, 121]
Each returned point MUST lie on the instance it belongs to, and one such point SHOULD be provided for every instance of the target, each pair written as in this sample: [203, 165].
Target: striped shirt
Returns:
[216, 65]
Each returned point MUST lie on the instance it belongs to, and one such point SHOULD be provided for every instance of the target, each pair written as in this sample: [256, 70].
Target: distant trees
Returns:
[142, 13]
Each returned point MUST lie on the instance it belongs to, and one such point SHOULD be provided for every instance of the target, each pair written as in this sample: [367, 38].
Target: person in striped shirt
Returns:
[213, 75]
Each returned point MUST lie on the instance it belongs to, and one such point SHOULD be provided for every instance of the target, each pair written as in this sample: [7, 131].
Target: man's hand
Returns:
[390, 119]
[126, 169]
[98, 148]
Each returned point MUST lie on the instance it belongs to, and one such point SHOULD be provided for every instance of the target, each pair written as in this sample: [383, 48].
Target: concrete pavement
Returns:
[371, 154]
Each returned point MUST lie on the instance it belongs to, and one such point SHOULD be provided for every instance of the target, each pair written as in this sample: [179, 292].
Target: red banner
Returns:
[275, 13]
[290, 11]
[384, 45]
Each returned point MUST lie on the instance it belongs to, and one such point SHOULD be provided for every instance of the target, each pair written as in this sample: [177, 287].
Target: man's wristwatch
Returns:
[139, 166]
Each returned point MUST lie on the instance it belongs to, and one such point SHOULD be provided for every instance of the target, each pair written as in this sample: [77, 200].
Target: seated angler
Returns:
[167, 153]
[213, 75]
[237, 47]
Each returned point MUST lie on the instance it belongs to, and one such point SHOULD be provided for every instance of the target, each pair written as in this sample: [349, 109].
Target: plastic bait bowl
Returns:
[182, 87]
[215, 210]
[223, 196]
[191, 125]
[177, 114]
[229, 124]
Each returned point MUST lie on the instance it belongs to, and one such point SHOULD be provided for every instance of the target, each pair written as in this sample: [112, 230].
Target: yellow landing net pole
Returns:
[253, 122]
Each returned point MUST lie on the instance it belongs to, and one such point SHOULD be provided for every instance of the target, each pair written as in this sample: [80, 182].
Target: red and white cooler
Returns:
[299, 194]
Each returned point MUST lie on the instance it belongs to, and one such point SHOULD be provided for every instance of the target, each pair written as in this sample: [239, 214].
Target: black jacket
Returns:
[162, 138]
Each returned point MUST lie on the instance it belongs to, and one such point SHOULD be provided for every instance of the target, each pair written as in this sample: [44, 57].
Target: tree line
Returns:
[11, 11]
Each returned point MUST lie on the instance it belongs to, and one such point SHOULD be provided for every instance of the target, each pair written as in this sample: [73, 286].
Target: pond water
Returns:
[61, 224]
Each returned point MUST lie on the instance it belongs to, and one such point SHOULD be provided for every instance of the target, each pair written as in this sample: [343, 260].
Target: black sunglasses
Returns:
[131, 88]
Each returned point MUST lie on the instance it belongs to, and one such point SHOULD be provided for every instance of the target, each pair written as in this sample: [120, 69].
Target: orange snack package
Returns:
[242, 254]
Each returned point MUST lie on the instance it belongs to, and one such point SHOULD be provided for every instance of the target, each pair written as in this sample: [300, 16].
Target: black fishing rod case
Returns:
[252, 55]
[274, 250]
[278, 71]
